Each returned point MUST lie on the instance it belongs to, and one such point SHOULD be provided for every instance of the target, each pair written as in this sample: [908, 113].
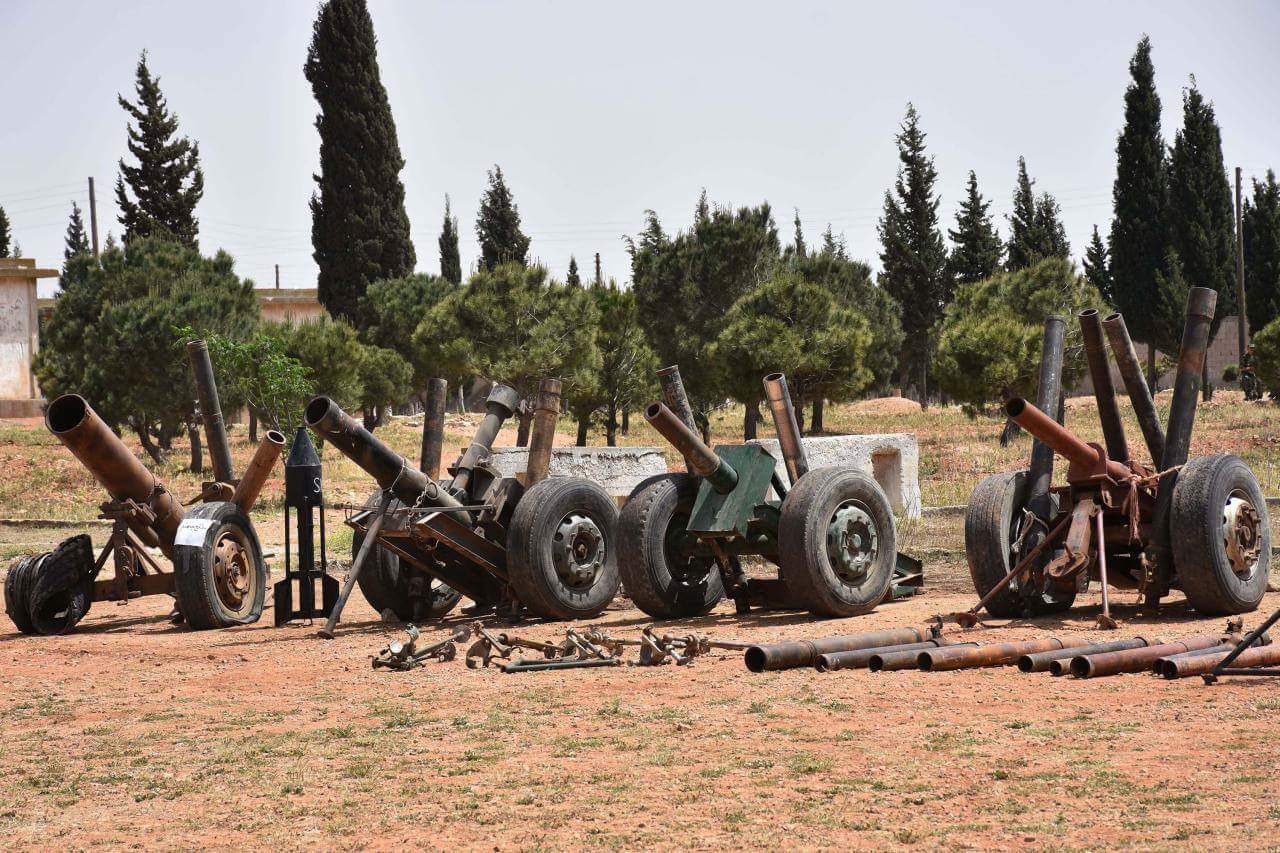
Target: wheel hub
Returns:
[232, 570]
[853, 543]
[1241, 533]
[578, 550]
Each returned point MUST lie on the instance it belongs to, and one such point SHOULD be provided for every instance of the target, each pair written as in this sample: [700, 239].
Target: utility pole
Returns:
[1242, 323]
[93, 218]
[277, 276]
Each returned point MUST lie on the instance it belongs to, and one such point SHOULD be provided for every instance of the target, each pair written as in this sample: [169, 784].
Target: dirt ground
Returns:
[131, 732]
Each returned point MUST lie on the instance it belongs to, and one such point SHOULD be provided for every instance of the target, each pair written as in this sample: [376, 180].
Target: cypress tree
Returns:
[1022, 222]
[598, 281]
[1260, 227]
[573, 279]
[450, 259]
[978, 249]
[77, 241]
[913, 256]
[799, 246]
[5, 236]
[1050, 234]
[1139, 227]
[1095, 266]
[498, 226]
[168, 182]
[359, 228]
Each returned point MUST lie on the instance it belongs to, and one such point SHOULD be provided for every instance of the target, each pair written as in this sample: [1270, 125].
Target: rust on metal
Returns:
[546, 412]
[1104, 392]
[1135, 384]
[798, 653]
[1136, 660]
[433, 428]
[860, 658]
[786, 426]
[215, 429]
[883, 660]
[258, 470]
[993, 654]
[702, 459]
[1257, 656]
[500, 405]
[1086, 459]
[1043, 661]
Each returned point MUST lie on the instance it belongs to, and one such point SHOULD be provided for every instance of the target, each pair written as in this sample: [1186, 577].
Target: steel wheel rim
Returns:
[1241, 534]
[853, 542]
[578, 550]
[234, 577]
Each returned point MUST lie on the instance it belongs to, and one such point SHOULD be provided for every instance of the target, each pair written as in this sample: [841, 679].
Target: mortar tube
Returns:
[703, 461]
[887, 661]
[500, 405]
[1058, 437]
[797, 653]
[788, 429]
[1135, 660]
[546, 411]
[1135, 384]
[215, 429]
[859, 658]
[1252, 657]
[258, 470]
[1041, 661]
[673, 394]
[1048, 392]
[1170, 662]
[1104, 391]
[433, 428]
[995, 654]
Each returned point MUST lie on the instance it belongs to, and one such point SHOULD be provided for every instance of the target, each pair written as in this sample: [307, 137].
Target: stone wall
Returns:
[617, 469]
[893, 459]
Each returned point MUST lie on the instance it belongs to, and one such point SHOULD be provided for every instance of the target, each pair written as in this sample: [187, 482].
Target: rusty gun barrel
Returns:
[389, 468]
[785, 424]
[1042, 661]
[1048, 394]
[861, 658]
[500, 405]
[1055, 435]
[1181, 667]
[702, 459]
[992, 654]
[215, 429]
[257, 471]
[1104, 390]
[1136, 660]
[433, 428]
[546, 411]
[77, 425]
[1135, 385]
[797, 653]
[888, 660]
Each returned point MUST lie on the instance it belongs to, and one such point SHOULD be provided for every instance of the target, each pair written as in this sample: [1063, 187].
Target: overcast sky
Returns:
[597, 111]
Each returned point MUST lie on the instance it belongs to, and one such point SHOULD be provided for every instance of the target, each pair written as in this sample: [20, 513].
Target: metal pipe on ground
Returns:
[860, 658]
[215, 429]
[786, 426]
[1048, 392]
[1104, 391]
[433, 428]
[1136, 660]
[77, 425]
[702, 460]
[992, 654]
[258, 470]
[883, 660]
[1253, 657]
[500, 405]
[1135, 384]
[1171, 662]
[1041, 661]
[546, 411]
[798, 653]
[1062, 440]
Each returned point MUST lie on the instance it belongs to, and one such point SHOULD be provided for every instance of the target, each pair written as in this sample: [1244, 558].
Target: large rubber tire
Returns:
[18, 582]
[654, 516]
[539, 518]
[805, 563]
[196, 585]
[1196, 523]
[992, 525]
[62, 589]
[386, 587]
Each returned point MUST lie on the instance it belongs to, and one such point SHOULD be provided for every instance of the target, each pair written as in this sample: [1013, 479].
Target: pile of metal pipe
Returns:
[804, 653]
[889, 660]
[992, 654]
[1137, 659]
[861, 658]
[1045, 661]
[1260, 653]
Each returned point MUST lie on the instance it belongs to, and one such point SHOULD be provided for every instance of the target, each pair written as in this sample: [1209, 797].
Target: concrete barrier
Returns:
[893, 459]
[617, 469]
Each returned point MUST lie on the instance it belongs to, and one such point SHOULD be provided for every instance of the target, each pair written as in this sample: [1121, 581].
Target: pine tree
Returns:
[77, 241]
[168, 182]
[913, 256]
[1022, 222]
[359, 228]
[978, 249]
[450, 259]
[498, 226]
[1096, 268]
[598, 281]
[1050, 233]
[799, 247]
[1261, 231]
[573, 279]
[1139, 228]
[5, 236]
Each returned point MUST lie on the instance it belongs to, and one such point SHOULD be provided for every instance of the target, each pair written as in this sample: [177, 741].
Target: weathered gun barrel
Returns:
[704, 461]
[889, 660]
[433, 428]
[500, 405]
[1181, 667]
[673, 394]
[1135, 384]
[257, 471]
[992, 654]
[77, 425]
[1062, 440]
[546, 411]
[861, 658]
[1104, 391]
[788, 429]
[382, 463]
[1042, 661]
[215, 429]
[1048, 393]
[797, 653]
[1135, 660]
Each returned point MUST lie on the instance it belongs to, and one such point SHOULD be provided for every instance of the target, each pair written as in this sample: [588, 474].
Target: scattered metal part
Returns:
[1252, 665]
[404, 656]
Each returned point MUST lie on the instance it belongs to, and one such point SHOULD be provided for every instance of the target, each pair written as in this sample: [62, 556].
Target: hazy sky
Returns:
[598, 110]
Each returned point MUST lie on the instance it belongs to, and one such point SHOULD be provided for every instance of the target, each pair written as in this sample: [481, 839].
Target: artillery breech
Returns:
[1135, 384]
[775, 656]
[77, 425]
[215, 429]
[1042, 661]
[992, 654]
[389, 468]
[1104, 391]
[702, 459]
[258, 470]
[1048, 392]
[885, 660]
[1202, 664]
[786, 426]
[500, 405]
[433, 428]
[1135, 660]
[860, 658]
[546, 411]
[1059, 437]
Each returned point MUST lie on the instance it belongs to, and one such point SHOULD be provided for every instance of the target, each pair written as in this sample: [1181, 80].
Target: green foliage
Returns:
[331, 352]
[625, 378]
[1096, 268]
[684, 285]
[991, 338]
[393, 308]
[6, 237]
[1266, 346]
[1140, 195]
[450, 259]
[978, 249]
[256, 372]
[167, 183]
[799, 327]
[514, 325]
[572, 278]
[913, 256]
[798, 246]
[112, 334]
[1261, 233]
[498, 226]
[1231, 373]
[76, 241]
[359, 228]
[1035, 226]
[386, 378]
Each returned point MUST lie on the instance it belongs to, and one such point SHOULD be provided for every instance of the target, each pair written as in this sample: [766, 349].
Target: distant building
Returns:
[1223, 351]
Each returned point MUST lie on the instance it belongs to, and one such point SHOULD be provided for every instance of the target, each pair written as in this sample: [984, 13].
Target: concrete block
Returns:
[617, 469]
[892, 458]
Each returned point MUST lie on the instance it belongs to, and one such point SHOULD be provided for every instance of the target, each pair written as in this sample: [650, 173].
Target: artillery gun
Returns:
[219, 575]
[540, 544]
[1200, 525]
[681, 535]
